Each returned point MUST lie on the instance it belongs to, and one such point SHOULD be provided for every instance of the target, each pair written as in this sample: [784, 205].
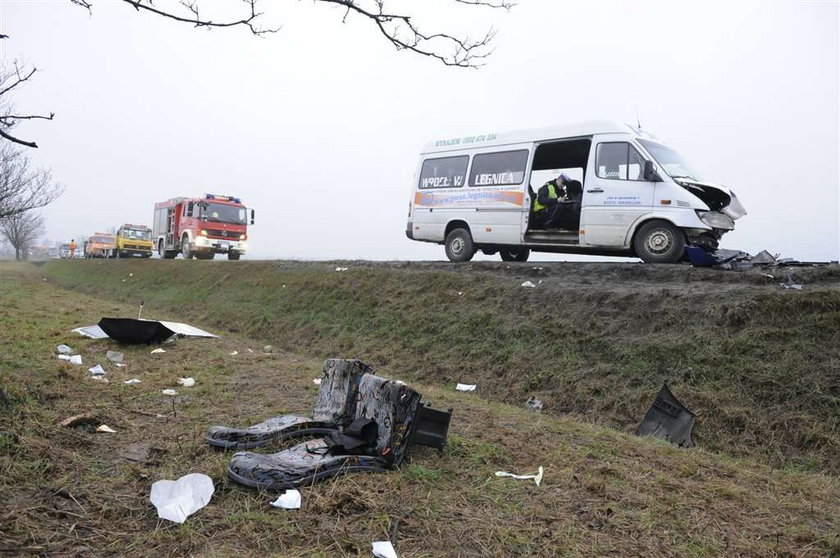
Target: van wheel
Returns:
[459, 246]
[515, 254]
[659, 242]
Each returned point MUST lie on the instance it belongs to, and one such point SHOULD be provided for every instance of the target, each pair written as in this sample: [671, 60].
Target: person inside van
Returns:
[546, 200]
[565, 214]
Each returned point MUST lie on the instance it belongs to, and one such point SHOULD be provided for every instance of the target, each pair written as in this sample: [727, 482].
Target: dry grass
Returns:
[67, 492]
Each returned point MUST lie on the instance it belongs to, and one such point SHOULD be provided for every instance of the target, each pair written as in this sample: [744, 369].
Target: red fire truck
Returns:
[202, 227]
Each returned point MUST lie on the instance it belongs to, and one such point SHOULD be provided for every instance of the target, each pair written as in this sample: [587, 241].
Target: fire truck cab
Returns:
[201, 227]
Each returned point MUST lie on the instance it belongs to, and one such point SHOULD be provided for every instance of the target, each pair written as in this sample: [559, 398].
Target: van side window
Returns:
[445, 172]
[619, 161]
[499, 169]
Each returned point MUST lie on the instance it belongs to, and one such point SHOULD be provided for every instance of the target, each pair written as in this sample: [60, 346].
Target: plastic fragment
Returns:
[131, 382]
[105, 428]
[63, 349]
[534, 404]
[76, 359]
[289, 500]
[233, 353]
[158, 351]
[537, 478]
[528, 284]
[179, 499]
[340, 269]
[384, 549]
[97, 370]
[466, 387]
[186, 382]
[316, 381]
[169, 392]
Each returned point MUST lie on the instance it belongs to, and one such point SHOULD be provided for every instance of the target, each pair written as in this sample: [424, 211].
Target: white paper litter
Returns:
[384, 549]
[115, 356]
[64, 349]
[76, 359]
[339, 269]
[132, 381]
[317, 381]
[63, 357]
[119, 364]
[169, 392]
[177, 500]
[537, 478]
[158, 351]
[97, 370]
[186, 382]
[466, 387]
[528, 284]
[289, 500]
[105, 428]
[234, 353]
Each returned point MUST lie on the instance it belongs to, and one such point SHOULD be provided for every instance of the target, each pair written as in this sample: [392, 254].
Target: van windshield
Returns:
[673, 163]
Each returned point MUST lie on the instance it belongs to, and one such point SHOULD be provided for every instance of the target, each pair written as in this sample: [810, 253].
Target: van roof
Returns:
[577, 129]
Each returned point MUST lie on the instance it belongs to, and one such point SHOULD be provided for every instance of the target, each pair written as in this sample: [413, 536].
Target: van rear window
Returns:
[499, 169]
[446, 172]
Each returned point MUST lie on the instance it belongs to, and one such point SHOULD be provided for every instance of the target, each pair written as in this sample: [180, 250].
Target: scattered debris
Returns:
[268, 349]
[63, 349]
[158, 351]
[316, 381]
[186, 382]
[668, 419]
[340, 269]
[534, 404]
[460, 293]
[466, 387]
[536, 478]
[132, 381]
[177, 500]
[289, 500]
[169, 392]
[791, 284]
[105, 428]
[97, 370]
[384, 549]
[79, 420]
[529, 285]
[115, 356]
[233, 353]
[119, 364]
[763, 258]
[139, 453]
[75, 359]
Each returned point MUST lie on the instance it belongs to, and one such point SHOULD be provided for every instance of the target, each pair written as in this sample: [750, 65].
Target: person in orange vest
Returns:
[73, 246]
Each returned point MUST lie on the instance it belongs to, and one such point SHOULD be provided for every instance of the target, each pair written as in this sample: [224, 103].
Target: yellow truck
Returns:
[100, 245]
[134, 241]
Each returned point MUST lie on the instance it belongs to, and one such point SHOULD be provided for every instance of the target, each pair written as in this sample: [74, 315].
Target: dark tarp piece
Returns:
[701, 258]
[136, 331]
[668, 419]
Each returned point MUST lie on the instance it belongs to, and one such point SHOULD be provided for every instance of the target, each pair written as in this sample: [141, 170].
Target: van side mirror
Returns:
[252, 216]
[650, 173]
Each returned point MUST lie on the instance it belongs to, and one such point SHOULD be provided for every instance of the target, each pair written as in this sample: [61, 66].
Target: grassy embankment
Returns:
[760, 365]
[66, 491]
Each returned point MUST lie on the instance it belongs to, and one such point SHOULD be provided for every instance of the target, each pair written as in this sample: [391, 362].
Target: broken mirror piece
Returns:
[177, 500]
[668, 419]
[289, 500]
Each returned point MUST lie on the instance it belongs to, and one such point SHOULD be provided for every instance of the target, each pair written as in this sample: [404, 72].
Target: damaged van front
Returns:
[716, 207]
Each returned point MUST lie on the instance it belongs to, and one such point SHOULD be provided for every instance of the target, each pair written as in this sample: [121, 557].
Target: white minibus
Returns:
[639, 197]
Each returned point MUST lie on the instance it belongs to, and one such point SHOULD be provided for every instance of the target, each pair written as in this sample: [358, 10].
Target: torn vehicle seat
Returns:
[335, 407]
[390, 404]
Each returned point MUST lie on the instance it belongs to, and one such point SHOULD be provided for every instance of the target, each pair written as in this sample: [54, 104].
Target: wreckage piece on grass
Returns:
[699, 257]
[138, 331]
[335, 407]
[668, 419]
[391, 405]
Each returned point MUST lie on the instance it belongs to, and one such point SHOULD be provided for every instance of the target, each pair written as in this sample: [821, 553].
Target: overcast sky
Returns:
[318, 127]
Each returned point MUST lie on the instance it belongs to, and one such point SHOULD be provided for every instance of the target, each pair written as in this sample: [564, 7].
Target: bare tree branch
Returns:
[8, 82]
[22, 187]
[21, 230]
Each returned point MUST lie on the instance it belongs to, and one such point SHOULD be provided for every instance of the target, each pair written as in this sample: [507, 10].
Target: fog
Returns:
[318, 127]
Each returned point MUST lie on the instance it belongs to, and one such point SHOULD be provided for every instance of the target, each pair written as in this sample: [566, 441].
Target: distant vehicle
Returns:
[101, 245]
[134, 241]
[638, 196]
[202, 227]
[64, 251]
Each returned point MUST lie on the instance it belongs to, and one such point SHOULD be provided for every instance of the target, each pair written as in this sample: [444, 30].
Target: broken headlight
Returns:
[716, 220]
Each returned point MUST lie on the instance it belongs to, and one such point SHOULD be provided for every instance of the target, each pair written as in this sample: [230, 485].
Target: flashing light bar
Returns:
[222, 198]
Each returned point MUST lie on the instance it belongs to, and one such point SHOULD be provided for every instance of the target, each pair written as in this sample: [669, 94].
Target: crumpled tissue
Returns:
[179, 499]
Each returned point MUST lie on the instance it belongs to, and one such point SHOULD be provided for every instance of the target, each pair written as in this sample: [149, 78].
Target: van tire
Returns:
[514, 254]
[459, 246]
[659, 242]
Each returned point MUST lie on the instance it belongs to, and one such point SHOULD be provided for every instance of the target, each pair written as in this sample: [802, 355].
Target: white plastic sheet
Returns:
[466, 387]
[97, 370]
[289, 500]
[179, 499]
[384, 549]
[75, 359]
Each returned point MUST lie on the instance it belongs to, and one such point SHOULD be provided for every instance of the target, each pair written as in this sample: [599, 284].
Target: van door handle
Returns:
[596, 191]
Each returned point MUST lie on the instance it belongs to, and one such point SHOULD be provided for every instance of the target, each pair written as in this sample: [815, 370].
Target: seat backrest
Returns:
[393, 406]
[339, 390]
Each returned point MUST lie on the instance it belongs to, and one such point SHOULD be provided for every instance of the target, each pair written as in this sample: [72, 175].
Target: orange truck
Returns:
[101, 245]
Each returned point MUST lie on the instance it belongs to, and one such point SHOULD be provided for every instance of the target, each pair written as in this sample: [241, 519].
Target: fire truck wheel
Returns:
[233, 255]
[186, 249]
